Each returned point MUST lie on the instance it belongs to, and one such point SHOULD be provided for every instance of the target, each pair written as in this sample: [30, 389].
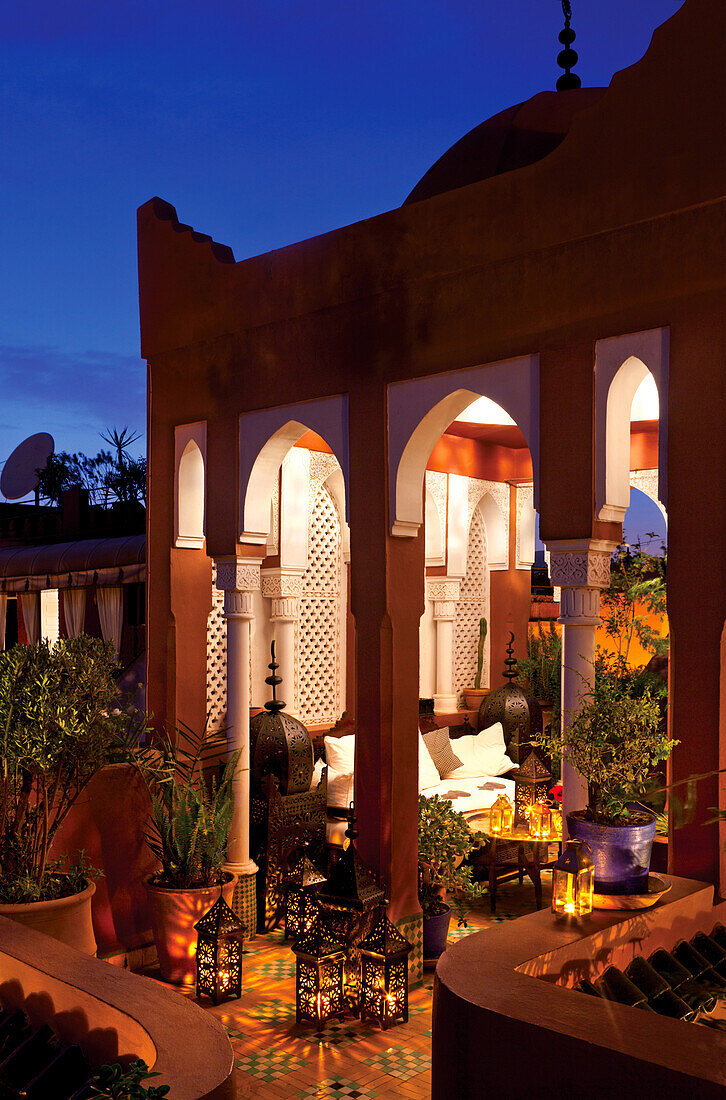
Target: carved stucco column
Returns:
[283, 587]
[581, 570]
[240, 578]
[444, 592]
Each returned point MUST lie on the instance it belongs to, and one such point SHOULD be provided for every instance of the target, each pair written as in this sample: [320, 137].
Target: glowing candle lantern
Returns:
[384, 974]
[219, 953]
[540, 821]
[573, 879]
[320, 962]
[501, 816]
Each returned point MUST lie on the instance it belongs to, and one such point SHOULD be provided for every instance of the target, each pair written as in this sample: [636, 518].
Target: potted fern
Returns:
[188, 833]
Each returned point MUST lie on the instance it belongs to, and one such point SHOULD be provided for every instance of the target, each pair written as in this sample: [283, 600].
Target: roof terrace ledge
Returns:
[503, 992]
[113, 1014]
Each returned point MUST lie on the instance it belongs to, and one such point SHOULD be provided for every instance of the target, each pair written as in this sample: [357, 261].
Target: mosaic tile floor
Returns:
[345, 1060]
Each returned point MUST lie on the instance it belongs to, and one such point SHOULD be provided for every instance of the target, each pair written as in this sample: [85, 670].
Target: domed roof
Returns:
[514, 138]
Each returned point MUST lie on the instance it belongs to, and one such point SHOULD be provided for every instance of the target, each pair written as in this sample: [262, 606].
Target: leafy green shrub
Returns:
[190, 818]
[540, 672]
[444, 840]
[637, 580]
[121, 1083]
[615, 741]
[60, 723]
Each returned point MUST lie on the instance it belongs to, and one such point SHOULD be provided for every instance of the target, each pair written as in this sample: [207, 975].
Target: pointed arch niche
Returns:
[190, 457]
[622, 364]
[293, 500]
[477, 472]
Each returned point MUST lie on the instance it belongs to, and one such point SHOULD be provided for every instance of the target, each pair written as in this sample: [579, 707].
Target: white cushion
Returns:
[340, 789]
[317, 774]
[481, 754]
[428, 773]
[340, 754]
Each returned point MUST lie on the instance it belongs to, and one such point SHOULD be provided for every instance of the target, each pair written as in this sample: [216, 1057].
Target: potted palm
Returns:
[188, 833]
[60, 723]
[616, 742]
[444, 841]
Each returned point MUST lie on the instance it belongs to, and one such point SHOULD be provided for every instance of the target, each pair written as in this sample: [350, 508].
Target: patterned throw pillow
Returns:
[442, 754]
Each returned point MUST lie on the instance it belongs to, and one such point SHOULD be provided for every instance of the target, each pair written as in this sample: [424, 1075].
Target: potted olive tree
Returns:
[60, 723]
[616, 742]
[188, 833]
[444, 841]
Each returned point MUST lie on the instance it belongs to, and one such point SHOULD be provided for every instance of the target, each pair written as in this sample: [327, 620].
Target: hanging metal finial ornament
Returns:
[510, 670]
[274, 705]
[567, 57]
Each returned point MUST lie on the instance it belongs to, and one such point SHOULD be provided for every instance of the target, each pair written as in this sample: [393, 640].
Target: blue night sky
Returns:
[262, 121]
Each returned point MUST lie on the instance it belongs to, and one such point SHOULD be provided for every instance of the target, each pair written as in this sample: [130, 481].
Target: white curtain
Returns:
[3, 614]
[30, 604]
[111, 613]
[74, 609]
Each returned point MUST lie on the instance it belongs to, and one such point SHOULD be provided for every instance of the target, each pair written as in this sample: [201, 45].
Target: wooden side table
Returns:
[513, 849]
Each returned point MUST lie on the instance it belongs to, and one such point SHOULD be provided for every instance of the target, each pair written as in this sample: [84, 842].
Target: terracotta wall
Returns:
[108, 822]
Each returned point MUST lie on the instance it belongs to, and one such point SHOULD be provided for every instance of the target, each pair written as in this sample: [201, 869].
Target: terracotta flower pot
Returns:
[65, 919]
[173, 916]
[474, 696]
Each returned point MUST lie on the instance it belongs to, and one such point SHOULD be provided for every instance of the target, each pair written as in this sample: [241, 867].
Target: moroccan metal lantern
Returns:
[532, 783]
[509, 705]
[219, 953]
[573, 882]
[320, 980]
[301, 907]
[279, 744]
[540, 821]
[384, 974]
[501, 816]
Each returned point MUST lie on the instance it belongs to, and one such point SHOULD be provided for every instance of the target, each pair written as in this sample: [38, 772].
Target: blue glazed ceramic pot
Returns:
[621, 853]
[435, 931]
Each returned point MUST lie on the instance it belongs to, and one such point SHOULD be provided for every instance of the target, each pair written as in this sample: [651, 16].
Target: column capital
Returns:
[280, 583]
[238, 574]
[443, 590]
[238, 605]
[284, 609]
[580, 606]
[580, 564]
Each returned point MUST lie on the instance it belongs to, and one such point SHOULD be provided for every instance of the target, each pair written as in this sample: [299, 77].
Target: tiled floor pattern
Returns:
[345, 1060]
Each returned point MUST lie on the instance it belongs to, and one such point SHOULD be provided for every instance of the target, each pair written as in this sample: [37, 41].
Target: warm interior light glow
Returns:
[646, 405]
[485, 411]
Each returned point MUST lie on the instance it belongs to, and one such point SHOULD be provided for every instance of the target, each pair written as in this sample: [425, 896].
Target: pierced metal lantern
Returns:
[301, 907]
[219, 953]
[280, 745]
[384, 974]
[320, 963]
[573, 882]
[532, 783]
[509, 705]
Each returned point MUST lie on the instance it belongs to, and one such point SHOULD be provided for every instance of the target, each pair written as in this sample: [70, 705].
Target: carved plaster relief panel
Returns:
[589, 568]
[471, 607]
[436, 485]
[499, 493]
[216, 659]
[525, 526]
[319, 642]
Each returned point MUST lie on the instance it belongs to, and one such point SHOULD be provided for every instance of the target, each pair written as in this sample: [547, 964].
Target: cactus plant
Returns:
[480, 657]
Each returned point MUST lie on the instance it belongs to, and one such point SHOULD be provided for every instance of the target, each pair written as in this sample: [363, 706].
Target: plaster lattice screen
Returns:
[216, 660]
[472, 606]
[319, 628]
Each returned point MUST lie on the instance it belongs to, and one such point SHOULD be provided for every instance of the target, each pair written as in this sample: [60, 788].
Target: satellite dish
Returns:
[19, 477]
